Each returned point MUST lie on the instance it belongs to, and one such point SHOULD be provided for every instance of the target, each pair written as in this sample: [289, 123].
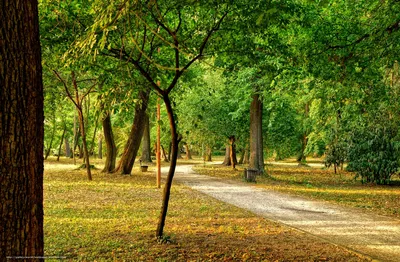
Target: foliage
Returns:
[374, 154]
[336, 154]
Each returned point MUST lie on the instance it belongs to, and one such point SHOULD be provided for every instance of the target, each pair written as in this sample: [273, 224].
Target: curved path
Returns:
[369, 234]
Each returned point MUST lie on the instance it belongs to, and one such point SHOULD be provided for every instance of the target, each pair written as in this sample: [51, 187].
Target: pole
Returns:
[158, 153]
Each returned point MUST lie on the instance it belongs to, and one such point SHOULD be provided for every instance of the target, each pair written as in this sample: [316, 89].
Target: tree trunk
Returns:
[81, 120]
[100, 148]
[61, 142]
[227, 159]
[256, 137]
[304, 139]
[91, 151]
[68, 152]
[84, 144]
[21, 131]
[146, 156]
[51, 142]
[232, 151]
[188, 154]
[109, 166]
[164, 154]
[208, 154]
[246, 159]
[171, 172]
[241, 159]
[125, 165]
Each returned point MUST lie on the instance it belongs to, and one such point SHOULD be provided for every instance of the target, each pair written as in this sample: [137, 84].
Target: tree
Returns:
[168, 24]
[77, 99]
[21, 131]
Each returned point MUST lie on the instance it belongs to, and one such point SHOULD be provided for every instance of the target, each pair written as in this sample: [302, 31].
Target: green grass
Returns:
[114, 217]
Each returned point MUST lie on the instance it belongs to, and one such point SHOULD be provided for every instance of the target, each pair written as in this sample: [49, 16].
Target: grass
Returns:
[114, 217]
[322, 184]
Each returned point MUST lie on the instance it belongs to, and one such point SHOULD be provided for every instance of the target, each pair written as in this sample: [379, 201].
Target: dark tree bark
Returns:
[21, 131]
[109, 166]
[146, 156]
[256, 137]
[61, 142]
[172, 166]
[125, 165]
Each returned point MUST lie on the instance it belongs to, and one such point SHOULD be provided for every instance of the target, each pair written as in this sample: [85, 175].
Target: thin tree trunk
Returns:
[84, 144]
[241, 159]
[68, 152]
[100, 148]
[94, 135]
[125, 165]
[208, 154]
[171, 172]
[146, 157]
[109, 166]
[21, 131]
[304, 139]
[232, 151]
[81, 126]
[256, 138]
[51, 141]
[246, 159]
[164, 154]
[61, 142]
[188, 154]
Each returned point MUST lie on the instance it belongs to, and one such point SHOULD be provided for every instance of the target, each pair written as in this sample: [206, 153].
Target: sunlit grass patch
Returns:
[114, 217]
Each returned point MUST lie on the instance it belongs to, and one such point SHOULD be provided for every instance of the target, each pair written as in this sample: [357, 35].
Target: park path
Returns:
[373, 235]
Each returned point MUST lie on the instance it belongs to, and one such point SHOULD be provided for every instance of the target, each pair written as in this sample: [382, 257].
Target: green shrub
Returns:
[373, 155]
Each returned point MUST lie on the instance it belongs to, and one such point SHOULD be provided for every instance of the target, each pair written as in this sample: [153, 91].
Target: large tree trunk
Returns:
[109, 166]
[61, 142]
[256, 137]
[171, 172]
[125, 165]
[21, 131]
[146, 156]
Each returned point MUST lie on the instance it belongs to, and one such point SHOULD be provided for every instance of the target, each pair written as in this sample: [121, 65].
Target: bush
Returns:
[373, 155]
[336, 155]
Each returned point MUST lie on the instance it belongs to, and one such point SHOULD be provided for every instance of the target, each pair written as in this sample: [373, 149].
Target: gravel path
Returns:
[373, 235]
